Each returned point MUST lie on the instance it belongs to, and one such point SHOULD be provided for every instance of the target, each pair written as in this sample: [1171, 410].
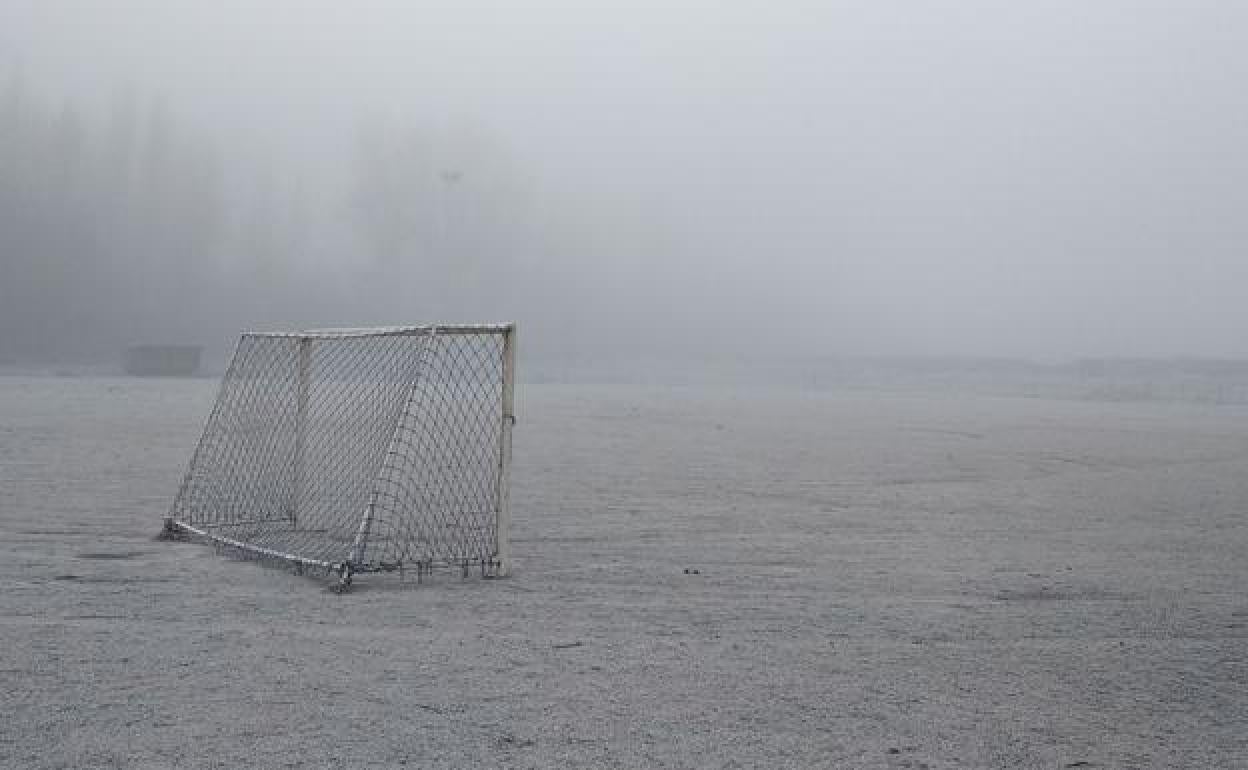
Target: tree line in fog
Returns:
[125, 223]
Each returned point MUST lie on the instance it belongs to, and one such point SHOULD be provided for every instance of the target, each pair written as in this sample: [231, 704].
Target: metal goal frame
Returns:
[410, 426]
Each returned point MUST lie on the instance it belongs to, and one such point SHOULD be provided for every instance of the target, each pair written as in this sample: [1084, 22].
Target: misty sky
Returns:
[1043, 179]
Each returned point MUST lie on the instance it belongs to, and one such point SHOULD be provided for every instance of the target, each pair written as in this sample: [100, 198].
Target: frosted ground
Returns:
[900, 580]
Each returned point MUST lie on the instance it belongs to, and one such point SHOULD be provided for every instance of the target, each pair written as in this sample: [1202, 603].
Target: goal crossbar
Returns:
[390, 331]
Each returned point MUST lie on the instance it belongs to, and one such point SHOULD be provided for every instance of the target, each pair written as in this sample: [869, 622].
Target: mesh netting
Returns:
[375, 449]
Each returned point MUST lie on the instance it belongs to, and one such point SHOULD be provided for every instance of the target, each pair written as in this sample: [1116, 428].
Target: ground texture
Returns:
[703, 578]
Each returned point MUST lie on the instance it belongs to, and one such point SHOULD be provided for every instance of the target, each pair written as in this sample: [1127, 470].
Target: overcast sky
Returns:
[1043, 179]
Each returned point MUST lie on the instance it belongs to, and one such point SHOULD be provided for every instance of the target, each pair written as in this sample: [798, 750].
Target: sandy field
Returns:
[703, 578]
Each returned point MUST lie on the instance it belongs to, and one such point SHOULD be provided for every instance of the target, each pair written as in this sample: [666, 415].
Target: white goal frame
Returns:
[292, 403]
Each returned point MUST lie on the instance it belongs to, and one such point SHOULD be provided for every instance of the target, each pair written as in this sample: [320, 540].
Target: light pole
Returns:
[447, 253]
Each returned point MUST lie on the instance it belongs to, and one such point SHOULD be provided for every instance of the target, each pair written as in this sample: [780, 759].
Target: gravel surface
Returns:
[703, 579]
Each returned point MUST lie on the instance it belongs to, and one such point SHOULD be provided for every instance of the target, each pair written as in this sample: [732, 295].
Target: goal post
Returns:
[360, 450]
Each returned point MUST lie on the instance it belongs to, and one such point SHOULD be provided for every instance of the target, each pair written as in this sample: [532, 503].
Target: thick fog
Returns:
[698, 179]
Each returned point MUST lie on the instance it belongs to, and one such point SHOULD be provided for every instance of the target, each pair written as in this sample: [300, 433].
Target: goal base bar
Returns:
[180, 530]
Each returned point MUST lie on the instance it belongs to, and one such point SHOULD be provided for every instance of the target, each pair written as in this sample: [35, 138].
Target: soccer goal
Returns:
[359, 450]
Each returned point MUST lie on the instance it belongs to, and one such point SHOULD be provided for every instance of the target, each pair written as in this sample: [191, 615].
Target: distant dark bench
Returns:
[162, 360]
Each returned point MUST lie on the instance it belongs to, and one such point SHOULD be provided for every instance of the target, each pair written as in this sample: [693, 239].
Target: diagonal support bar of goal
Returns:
[360, 450]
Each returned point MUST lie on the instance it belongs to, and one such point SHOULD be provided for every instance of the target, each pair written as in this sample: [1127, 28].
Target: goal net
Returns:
[359, 450]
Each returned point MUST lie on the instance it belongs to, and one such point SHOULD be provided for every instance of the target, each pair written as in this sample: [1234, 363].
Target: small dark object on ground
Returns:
[110, 555]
